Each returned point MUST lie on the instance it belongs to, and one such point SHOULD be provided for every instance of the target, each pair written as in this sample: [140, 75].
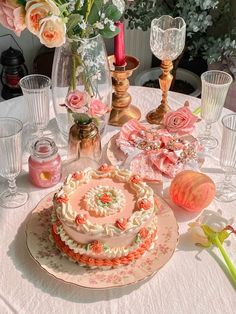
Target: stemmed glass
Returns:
[167, 41]
[11, 161]
[225, 191]
[36, 90]
[215, 86]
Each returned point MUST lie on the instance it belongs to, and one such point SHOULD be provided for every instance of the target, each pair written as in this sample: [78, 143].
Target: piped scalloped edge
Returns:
[85, 260]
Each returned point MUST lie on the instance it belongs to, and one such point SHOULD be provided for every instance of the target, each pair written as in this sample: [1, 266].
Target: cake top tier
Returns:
[107, 201]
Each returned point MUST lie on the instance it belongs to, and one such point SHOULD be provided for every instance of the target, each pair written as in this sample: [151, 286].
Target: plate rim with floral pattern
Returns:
[48, 257]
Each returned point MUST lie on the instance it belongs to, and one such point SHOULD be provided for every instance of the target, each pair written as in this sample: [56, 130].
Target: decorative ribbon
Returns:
[153, 152]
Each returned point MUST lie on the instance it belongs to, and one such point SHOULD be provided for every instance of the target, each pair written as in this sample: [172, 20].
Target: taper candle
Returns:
[119, 45]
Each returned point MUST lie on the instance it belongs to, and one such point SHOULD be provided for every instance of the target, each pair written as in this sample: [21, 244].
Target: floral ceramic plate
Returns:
[50, 259]
[114, 153]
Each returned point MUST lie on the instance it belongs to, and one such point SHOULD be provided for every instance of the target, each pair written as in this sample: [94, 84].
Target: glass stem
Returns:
[227, 179]
[208, 130]
[12, 186]
[40, 133]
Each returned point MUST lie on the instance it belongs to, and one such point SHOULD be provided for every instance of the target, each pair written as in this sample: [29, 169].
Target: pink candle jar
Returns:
[44, 163]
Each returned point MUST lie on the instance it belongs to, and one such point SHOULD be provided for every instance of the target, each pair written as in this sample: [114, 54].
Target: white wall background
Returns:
[28, 43]
[137, 43]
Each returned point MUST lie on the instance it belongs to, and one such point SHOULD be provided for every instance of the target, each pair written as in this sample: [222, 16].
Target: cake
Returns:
[104, 218]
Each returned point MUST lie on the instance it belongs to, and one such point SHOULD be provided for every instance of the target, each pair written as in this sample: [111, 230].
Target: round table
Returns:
[193, 281]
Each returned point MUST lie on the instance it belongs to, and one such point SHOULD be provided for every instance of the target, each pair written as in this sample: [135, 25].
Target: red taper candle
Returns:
[119, 45]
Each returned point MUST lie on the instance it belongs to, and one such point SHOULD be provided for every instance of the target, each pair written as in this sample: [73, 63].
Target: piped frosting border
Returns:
[69, 216]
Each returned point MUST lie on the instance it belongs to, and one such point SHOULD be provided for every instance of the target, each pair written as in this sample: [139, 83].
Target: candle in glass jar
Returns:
[44, 163]
[119, 45]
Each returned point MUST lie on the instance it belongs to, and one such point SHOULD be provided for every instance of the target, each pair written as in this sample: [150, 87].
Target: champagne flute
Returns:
[225, 191]
[215, 86]
[11, 161]
[36, 90]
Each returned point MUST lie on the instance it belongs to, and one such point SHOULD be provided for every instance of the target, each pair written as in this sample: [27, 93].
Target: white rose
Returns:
[52, 31]
[36, 10]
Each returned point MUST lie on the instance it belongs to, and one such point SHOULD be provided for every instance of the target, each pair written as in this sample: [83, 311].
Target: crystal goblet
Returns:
[215, 86]
[167, 41]
[11, 161]
[225, 191]
[36, 90]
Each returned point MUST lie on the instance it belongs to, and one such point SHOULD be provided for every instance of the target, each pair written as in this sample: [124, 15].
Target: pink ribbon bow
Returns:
[154, 152]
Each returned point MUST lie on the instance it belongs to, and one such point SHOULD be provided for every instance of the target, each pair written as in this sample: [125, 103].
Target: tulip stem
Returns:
[228, 261]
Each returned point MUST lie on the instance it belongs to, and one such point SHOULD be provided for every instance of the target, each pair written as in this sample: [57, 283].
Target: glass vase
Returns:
[80, 67]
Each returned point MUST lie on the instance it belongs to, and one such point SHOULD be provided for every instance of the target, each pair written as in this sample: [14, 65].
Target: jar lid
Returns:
[44, 148]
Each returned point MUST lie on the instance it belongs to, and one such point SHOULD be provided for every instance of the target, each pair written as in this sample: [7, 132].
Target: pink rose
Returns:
[12, 16]
[97, 108]
[76, 100]
[180, 121]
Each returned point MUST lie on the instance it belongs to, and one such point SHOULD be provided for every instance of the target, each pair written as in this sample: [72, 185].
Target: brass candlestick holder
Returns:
[122, 110]
[165, 79]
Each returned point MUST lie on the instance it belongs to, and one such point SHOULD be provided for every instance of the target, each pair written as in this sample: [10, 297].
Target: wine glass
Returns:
[167, 42]
[215, 86]
[36, 90]
[225, 191]
[11, 161]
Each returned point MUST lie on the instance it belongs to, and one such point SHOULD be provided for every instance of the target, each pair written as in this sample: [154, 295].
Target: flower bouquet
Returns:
[80, 76]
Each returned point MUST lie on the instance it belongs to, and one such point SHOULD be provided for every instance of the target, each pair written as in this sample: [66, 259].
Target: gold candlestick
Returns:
[167, 41]
[122, 110]
[165, 79]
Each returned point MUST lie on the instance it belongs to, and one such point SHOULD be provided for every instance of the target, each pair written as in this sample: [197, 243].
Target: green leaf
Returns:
[78, 5]
[107, 33]
[22, 2]
[137, 239]
[106, 247]
[82, 10]
[112, 13]
[96, 121]
[94, 13]
[81, 118]
[87, 247]
[223, 235]
[73, 21]
[63, 7]
[210, 233]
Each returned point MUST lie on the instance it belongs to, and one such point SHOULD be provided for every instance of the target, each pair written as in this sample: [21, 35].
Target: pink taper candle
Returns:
[119, 45]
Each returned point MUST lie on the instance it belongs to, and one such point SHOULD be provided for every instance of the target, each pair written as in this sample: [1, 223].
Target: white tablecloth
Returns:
[193, 281]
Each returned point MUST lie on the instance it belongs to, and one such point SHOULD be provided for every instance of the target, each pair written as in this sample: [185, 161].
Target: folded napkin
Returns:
[152, 151]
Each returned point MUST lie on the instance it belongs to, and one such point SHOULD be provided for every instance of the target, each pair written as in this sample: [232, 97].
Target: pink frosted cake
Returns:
[104, 218]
